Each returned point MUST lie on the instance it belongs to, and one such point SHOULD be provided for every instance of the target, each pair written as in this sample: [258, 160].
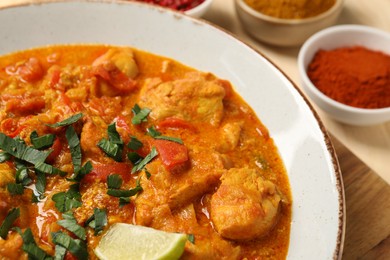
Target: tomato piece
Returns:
[114, 77]
[101, 172]
[175, 123]
[56, 147]
[121, 122]
[174, 156]
[11, 127]
[31, 70]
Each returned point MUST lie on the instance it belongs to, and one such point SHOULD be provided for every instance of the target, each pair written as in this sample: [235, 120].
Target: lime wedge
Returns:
[125, 241]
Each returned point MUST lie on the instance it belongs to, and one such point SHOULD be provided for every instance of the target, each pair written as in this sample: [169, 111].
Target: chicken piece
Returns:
[245, 206]
[7, 174]
[93, 131]
[195, 98]
[121, 58]
[230, 137]
[177, 190]
[116, 70]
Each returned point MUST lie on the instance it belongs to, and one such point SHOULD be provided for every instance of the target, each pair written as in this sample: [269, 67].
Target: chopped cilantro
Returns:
[139, 166]
[21, 151]
[69, 222]
[77, 247]
[97, 221]
[191, 238]
[12, 215]
[74, 146]
[15, 188]
[49, 169]
[134, 143]
[41, 142]
[64, 201]
[140, 115]
[84, 170]
[157, 135]
[114, 181]
[40, 184]
[68, 121]
[134, 157]
[113, 147]
[4, 156]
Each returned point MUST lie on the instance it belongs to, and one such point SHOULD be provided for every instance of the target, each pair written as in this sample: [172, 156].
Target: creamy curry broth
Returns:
[225, 185]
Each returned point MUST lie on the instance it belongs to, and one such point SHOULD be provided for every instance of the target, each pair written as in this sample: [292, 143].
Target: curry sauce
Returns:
[96, 135]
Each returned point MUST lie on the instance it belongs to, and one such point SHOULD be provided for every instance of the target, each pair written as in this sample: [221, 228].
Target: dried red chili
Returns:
[180, 5]
[355, 76]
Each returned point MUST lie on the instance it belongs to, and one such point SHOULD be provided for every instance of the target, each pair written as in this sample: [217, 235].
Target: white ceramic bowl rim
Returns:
[199, 8]
[273, 19]
[324, 33]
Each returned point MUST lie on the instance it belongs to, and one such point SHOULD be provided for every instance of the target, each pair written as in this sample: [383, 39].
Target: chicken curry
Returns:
[96, 135]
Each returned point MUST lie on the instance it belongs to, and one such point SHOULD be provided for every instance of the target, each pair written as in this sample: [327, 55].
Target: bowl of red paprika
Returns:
[345, 71]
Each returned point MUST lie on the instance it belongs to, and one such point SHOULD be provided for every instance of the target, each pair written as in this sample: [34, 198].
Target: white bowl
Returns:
[199, 10]
[284, 32]
[336, 37]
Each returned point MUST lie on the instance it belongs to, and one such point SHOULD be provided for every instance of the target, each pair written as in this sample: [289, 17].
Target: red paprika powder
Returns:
[354, 76]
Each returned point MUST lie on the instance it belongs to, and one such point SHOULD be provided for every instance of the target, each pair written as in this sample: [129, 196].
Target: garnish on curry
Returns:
[97, 135]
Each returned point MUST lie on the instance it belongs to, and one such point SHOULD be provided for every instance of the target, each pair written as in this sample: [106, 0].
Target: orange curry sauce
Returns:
[223, 182]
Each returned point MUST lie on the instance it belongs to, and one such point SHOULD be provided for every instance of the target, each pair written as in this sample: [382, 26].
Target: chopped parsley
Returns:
[65, 201]
[139, 166]
[21, 151]
[74, 146]
[134, 143]
[157, 135]
[113, 146]
[30, 246]
[69, 223]
[97, 221]
[15, 188]
[114, 181]
[41, 142]
[12, 215]
[140, 115]
[77, 247]
[68, 121]
[84, 170]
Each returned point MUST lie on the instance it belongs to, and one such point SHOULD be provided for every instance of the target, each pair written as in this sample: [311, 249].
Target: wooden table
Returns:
[367, 192]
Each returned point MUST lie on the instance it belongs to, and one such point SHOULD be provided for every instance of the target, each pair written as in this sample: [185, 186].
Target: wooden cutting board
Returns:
[367, 198]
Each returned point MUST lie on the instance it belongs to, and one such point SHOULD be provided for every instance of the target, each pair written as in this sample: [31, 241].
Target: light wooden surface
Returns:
[367, 194]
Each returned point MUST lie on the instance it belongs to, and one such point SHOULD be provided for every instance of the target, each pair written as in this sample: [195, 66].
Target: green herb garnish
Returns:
[21, 151]
[12, 215]
[60, 252]
[74, 146]
[157, 135]
[4, 156]
[30, 247]
[69, 222]
[139, 166]
[97, 221]
[15, 188]
[49, 169]
[191, 238]
[140, 115]
[84, 170]
[41, 142]
[68, 121]
[134, 157]
[134, 143]
[77, 247]
[113, 147]
[114, 181]
[65, 201]
[40, 185]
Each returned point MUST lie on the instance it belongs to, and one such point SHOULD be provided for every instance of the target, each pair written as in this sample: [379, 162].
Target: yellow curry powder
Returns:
[291, 9]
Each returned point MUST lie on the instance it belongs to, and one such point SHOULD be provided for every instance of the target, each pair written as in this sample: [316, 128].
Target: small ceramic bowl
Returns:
[337, 37]
[284, 32]
[199, 10]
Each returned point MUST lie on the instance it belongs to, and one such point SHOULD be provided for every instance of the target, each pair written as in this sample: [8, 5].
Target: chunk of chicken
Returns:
[197, 97]
[245, 206]
[121, 58]
[6, 174]
[230, 137]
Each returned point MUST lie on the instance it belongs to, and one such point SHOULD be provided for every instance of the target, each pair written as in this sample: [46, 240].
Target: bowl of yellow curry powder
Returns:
[286, 22]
